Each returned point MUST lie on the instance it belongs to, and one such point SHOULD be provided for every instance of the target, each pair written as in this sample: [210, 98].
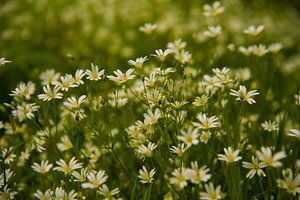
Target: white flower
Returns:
[176, 46]
[198, 175]
[179, 149]
[254, 31]
[265, 155]
[230, 155]
[94, 74]
[246, 50]
[7, 193]
[275, 47]
[222, 75]
[47, 195]
[259, 50]
[289, 183]
[243, 95]
[65, 143]
[180, 177]
[60, 193]
[211, 193]
[210, 83]
[3, 61]
[25, 111]
[145, 176]
[206, 122]
[108, 194]
[151, 118]
[50, 94]
[67, 168]
[42, 168]
[80, 177]
[189, 137]
[255, 168]
[79, 74]
[95, 179]
[183, 56]
[270, 126]
[143, 150]
[121, 77]
[205, 136]
[49, 77]
[213, 10]
[294, 133]
[138, 63]
[161, 55]
[67, 82]
[8, 155]
[151, 80]
[73, 103]
[148, 28]
[213, 31]
[201, 101]
[24, 90]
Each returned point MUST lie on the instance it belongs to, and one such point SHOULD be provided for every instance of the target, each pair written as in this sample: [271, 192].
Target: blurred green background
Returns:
[64, 35]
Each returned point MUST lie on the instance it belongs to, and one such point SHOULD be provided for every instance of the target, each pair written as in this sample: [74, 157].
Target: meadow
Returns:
[157, 99]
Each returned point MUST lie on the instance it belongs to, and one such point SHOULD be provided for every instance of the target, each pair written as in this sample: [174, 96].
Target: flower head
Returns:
[230, 155]
[3, 61]
[94, 74]
[270, 126]
[265, 155]
[95, 179]
[138, 63]
[121, 77]
[289, 183]
[67, 168]
[180, 177]
[189, 137]
[213, 10]
[206, 122]
[294, 133]
[211, 193]
[255, 168]
[198, 175]
[148, 28]
[243, 95]
[213, 31]
[42, 168]
[50, 93]
[254, 31]
[161, 55]
[145, 176]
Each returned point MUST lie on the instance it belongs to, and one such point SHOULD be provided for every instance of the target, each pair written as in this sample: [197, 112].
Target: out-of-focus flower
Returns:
[3, 61]
[289, 183]
[148, 28]
[213, 10]
[254, 31]
[213, 31]
[270, 126]
[265, 155]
